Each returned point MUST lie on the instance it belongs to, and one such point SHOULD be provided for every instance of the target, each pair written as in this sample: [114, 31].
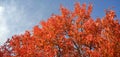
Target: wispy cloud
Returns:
[16, 17]
[4, 31]
[11, 20]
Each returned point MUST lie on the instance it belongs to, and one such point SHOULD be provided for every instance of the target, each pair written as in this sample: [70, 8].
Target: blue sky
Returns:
[16, 16]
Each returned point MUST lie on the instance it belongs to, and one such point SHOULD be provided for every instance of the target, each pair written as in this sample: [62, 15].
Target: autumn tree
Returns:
[71, 34]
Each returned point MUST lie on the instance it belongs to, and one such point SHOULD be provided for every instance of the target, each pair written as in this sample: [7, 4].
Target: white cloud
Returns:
[4, 31]
[12, 20]
[15, 18]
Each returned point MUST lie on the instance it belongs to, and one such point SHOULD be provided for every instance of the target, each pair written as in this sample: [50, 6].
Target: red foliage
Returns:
[71, 34]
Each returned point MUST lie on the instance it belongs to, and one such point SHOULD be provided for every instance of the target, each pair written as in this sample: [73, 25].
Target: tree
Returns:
[71, 34]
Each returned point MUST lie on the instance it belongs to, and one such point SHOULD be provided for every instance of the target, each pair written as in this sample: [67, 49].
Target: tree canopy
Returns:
[71, 34]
